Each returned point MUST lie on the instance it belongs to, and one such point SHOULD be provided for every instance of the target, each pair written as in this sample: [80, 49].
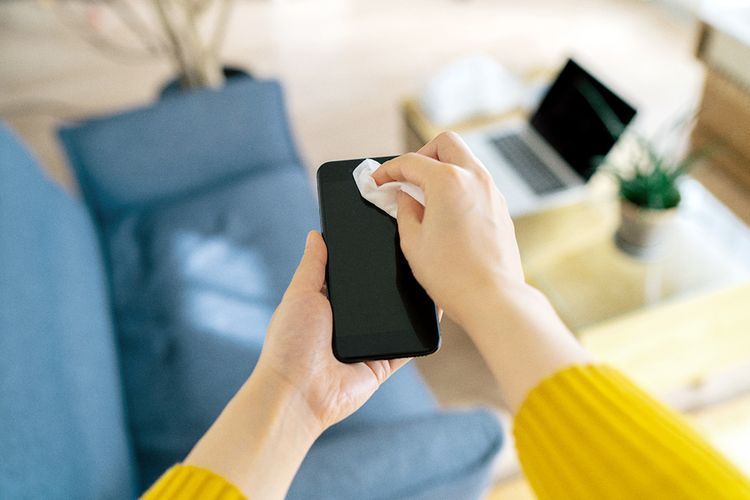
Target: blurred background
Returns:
[346, 66]
[660, 289]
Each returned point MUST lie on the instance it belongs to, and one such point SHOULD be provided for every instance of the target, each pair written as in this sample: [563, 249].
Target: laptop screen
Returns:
[581, 118]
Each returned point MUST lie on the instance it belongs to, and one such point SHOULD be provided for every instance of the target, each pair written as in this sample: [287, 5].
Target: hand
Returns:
[462, 248]
[298, 346]
[462, 244]
[296, 391]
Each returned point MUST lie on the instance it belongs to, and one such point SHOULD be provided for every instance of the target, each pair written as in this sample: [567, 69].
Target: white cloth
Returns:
[383, 197]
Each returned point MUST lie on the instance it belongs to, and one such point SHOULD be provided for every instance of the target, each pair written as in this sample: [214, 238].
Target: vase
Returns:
[173, 86]
[644, 233]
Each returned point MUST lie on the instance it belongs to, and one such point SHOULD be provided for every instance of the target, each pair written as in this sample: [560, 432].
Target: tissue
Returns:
[384, 197]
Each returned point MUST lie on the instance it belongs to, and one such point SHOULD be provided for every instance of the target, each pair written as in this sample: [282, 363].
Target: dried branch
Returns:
[178, 34]
[177, 49]
[95, 39]
[220, 28]
[131, 20]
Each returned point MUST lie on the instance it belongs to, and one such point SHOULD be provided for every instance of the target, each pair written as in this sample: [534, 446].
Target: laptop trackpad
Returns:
[527, 164]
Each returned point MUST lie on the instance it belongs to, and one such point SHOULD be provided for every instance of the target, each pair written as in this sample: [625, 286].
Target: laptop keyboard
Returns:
[528, 165]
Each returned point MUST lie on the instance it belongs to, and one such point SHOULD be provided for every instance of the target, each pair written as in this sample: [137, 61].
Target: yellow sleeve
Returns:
[188, 482]
[588, 432]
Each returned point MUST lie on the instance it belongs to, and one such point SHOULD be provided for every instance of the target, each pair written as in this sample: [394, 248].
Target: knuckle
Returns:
[449, 137]
[410, 157]
[453, 148]
[484, 177]
[453, 174]
[502, 201]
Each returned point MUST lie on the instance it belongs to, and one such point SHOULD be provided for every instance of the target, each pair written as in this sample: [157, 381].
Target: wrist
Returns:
[285, 404]
[261, 437]
[486, 303]
[513, 307]
[521, 338]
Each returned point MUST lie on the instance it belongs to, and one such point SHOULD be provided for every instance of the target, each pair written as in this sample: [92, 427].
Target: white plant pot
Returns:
[644, 233]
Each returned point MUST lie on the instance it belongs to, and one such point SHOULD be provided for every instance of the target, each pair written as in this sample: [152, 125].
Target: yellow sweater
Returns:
[585, 432]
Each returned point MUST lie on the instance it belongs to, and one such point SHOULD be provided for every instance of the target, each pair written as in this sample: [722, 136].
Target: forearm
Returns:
[589, 431]
[521, 338]
[584, 428]
[260, 439]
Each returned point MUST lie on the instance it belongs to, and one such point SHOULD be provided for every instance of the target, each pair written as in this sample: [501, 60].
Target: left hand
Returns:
[298, 346]
[297, 390]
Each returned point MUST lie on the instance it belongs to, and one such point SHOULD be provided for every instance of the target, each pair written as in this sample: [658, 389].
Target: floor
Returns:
[345, 66]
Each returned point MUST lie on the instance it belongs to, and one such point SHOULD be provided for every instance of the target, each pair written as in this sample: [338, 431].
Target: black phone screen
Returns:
[380, 311]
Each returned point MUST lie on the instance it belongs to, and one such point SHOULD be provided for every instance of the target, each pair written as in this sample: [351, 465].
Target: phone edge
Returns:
[336, 353]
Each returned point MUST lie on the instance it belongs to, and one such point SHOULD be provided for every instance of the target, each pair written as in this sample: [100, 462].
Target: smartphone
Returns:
[380, 311]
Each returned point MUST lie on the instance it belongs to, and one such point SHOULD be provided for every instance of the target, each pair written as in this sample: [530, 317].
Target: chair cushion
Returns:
[195, 282]
[62, 424]
[435, 456]
[182, 143]
[199, 256]
[203, 211]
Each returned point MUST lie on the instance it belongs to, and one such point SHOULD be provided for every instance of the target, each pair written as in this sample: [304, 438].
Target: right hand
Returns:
[462, 248]
[462, 244]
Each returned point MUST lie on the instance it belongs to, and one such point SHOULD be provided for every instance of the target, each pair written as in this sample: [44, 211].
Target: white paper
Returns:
[384, 197]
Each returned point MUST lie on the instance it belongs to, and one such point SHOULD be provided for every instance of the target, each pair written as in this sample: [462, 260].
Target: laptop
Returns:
[549, 158]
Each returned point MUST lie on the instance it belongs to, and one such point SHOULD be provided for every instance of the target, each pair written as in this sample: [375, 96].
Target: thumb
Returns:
[311, 272]
[409, 218]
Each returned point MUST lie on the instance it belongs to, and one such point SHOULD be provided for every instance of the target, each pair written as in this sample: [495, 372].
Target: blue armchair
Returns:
[127, 327]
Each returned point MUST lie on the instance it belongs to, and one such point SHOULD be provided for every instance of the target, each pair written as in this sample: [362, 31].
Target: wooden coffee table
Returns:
[678, 327]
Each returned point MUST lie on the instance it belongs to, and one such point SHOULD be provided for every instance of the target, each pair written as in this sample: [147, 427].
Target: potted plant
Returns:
[189, 33]
[648, 182]
[648, 188]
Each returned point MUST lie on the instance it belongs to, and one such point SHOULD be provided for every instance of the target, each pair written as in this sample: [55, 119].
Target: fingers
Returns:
[382, 370]
[410, 213]
[411, 167]
[311, 272]
[447, 147]
[395, 364]
[445, 152]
